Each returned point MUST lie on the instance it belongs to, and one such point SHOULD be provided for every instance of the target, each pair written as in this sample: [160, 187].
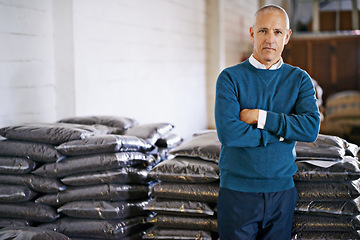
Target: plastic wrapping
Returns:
[184, 169]
[206, 146]
[15, 193]
[309, 222]
[350, 207]
[107, 192]
[123, 175]
[92, 163]
[177, 234]
[184, 222]
[325, 146]
[179, 207]
[108, 229]
[331, 235]
[351, 149]
[169, 141]
[103, 209]
[49, 133]
[7, 222]
[16, 165]
[31, 211]
[327, 191]
[30, 233]
[104, 144]
[150, 132]
[121, 123]
[39, 152]
[36, 183]
[346, 169]
[135, 236]
[203, 192]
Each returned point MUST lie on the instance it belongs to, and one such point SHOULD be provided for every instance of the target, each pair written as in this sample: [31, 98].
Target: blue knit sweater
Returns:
[252, 159]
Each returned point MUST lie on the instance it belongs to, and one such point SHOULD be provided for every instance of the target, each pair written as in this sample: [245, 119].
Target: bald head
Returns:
[271, 8]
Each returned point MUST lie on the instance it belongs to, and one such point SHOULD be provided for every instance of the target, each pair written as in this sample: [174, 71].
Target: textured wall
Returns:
[143, 59]
[26, 62]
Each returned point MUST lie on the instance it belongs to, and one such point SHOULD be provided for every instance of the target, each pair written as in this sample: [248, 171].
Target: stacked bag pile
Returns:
[184, 200]
[342, 116]
[328, 185]
[86, 177]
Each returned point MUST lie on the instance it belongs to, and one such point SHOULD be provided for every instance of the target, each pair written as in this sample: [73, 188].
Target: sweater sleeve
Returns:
[303, 125]
[233, 132]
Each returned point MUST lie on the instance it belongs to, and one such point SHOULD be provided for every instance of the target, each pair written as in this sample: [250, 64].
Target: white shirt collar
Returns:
[259, 65]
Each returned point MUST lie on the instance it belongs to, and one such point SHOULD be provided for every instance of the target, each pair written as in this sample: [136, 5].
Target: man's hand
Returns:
[249, 116]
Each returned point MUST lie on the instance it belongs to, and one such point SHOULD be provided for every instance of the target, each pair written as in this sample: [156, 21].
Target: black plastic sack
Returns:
[39, 152]
[120, 123]
[92, 163]
[104, 144]
[351, 149]
[183, 234]
[350, 207]
[326, 235]
[185, 169]
[150, 132]
[324, 147]
[327, 191]
[36, 183]
[30, 233]
[7, 222]
[107, 192]
[16, 165]
[49, 133]
[15, 193]
[206, 146]
[344, 170]
[93, 228]
[103, 209]
[122, 175]
[310, 222]
[185, 222]
[29, 210]
[179, 207]
[169, 141]
[135, 236]
[203, 192]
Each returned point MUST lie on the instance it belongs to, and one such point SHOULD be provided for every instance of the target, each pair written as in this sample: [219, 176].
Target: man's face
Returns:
[269, 35]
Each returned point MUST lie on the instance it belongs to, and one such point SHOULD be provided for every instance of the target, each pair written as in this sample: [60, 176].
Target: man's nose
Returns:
[270, 37]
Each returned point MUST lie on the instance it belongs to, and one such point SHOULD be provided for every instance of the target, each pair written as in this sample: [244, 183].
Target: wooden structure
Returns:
[332, 60]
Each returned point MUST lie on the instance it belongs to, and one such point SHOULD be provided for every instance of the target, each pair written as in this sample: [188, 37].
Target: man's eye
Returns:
[278, 32]
[261, 31]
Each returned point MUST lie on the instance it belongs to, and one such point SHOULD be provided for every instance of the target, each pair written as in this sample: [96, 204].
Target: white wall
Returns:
[26, 62]
[228, 41]
[136, 58]
[142, 59]
[238, 19]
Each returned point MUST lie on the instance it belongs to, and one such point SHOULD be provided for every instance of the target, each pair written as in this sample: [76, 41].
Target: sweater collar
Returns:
[259, 65]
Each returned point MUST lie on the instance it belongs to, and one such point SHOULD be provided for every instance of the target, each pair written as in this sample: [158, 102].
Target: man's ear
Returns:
[251, 31]
[287, 37]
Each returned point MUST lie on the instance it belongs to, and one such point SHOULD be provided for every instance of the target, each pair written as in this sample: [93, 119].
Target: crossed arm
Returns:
[249, 116]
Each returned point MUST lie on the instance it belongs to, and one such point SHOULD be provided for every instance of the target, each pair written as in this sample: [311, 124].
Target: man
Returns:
[262, 108]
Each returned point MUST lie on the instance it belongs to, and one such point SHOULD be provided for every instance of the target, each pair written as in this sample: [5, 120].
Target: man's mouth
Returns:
[269, 48]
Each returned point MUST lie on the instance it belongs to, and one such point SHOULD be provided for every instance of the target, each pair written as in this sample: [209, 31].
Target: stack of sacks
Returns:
[157, 134]
[25, 148]
[107, 186]
[106, 178]
[342, 116]
[184, 200]
[30, 233]
[328, 185]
